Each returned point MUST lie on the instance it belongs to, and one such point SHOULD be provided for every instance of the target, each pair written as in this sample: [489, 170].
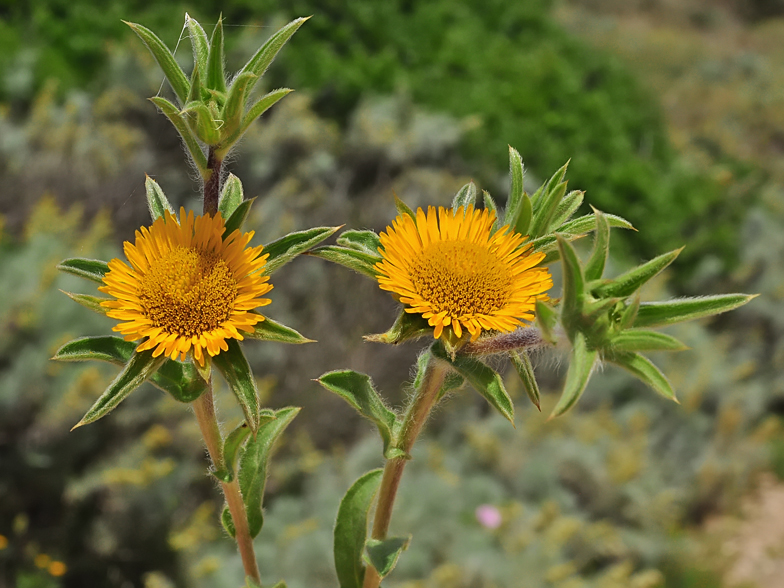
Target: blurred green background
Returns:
[672, 112]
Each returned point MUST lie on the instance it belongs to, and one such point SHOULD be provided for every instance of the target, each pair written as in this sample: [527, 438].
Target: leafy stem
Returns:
[212, 181]
[204, 409]
[418, 411]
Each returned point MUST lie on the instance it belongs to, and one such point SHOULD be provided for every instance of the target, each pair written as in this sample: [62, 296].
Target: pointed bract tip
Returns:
[77, 425]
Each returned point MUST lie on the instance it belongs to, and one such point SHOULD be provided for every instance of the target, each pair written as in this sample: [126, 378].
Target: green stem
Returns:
[204, 409]
[418, 411]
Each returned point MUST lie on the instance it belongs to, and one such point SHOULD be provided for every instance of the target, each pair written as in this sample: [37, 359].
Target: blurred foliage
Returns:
[509, 66]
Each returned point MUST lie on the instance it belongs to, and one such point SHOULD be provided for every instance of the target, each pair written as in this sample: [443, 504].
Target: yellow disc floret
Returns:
[187, 287]
[450, 267]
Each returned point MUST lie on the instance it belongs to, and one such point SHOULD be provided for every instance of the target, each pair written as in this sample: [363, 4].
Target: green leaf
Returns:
[233, 112]
[566, 208]
[546, 319]
[659, 314]
[156, 199]
[628, 282]
[231, 196]
[178, 379]
[601, 248]
[216, 79]
[526, 214]
[199, 43]
[259, 63]
[253, 465]
[190, 140]
[484, 379]
[237, 218]
[351, 529]
[642, 368]
[358, 390]
[289, 246]
[587, 223]
[514, 204]
[259, 107]
[140, 367]
[201, 121]
[195, 94]
[644, 340]
[231, 447]
[525, 370]
[547, 204]
[383, 555]
[367, 241]
[406, 326]
[491, 206]
[91, 302]
[236, 370]
[350, 258]
[165, 59]
[581, 363]
[465, 197]
[89, 269]
[573, 287]
[629, 314]
[402, 208]
[270, 330]
[452, 381]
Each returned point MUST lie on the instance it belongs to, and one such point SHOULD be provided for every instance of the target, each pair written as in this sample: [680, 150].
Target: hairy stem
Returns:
[418, 411]
[204, 409]
[212, 183]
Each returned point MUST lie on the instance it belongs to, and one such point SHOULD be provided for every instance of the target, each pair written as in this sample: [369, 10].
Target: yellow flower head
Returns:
[452, 269]
[187, 287]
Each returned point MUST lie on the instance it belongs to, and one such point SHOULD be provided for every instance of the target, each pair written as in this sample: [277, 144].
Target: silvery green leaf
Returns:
[465, 197]
[234, 110]
[402, 208]
[237, 218]
[645, 340]
[573, 287]
[629, 282]
[283, 250]
[383, 555]
[546, 319]
[514, 204]
[91, 302]
[642, 368]
[367, 241]
[525, 370]
[581, 363]
[587, 223]
[89, 269]
[358, 390]
[407, 326]
[190, 140]
[199, 43]
[140, 366]
[483, 378]
[165, 59]
[358, 261]
[601, 248]
[547, 204]
[201, 122]
[351, 529]
[259, 63]
[156, 199]
[566, 209]
[659, 314]
[231, 196]
[216, 78]
[237, 373]
[270, 330]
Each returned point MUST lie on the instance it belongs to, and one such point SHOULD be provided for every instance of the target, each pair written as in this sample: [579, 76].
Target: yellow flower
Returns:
[453, 270]
[187, 287]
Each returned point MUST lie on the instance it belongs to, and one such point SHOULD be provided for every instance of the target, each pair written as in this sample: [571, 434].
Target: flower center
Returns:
[461, 278]
[188, 291]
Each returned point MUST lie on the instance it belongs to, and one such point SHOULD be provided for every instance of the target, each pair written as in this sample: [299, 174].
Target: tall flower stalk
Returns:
[477, 282]
[192, 286]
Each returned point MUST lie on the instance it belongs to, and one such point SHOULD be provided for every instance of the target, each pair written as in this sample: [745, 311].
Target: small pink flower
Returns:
[488, 516]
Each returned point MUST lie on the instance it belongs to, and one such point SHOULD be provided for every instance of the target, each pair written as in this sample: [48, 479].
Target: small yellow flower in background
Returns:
[57, 569]
[452, 269]
[3, 542]
[187, 288]
[42, 560]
